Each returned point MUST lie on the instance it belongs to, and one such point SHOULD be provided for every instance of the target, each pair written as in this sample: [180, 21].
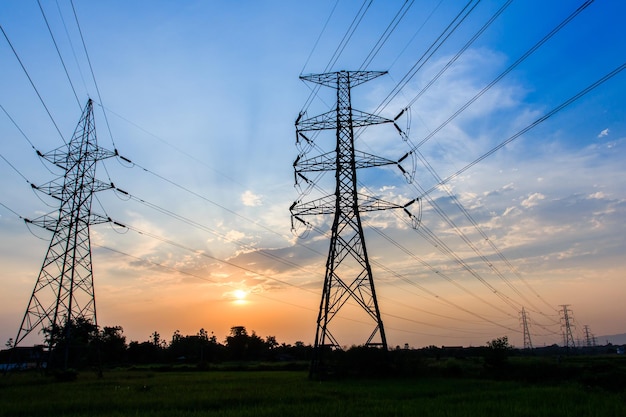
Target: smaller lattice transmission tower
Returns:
[590, 339]
[566, 327]
[528, 344]
[64, 291]
[348, 281]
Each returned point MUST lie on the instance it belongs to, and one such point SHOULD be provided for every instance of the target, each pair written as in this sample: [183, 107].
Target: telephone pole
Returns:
[64, 291]
[348, 276]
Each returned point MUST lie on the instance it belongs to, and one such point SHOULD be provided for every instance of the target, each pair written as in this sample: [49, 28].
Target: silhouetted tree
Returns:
[256, 347]
[237, 342]
[144, 352]
[74, 345]
[497, 352]
[194, 348]
[112, 345]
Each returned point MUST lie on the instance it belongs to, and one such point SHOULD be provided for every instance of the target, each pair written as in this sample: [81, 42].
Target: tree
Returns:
[176, 336]
[74, 345]
[256, 347]
[155, 338]
[113, 344]
[237, 342]
[271, 342]
[144, 352]
[497, 352]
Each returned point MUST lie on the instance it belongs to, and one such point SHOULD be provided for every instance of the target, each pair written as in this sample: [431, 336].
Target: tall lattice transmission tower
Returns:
[64, 291]
[348, 281]
[566, 327]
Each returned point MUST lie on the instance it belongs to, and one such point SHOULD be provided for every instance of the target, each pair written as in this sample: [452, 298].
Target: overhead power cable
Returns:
[429, 292]
[206, 255]
[56, 46]
[417, 32]
[173, 146]
[93, 75]
[18, 128]
[425, 57]
[543, 118]
[466, 239]
[319, 37]
[212, 231]
[339, 50]
[15, 169]
[10, 209]
[202, 278]
[32, 84]
[460, 52]
[430, 169]
[69, 39]
[391, 27]
[505, 72]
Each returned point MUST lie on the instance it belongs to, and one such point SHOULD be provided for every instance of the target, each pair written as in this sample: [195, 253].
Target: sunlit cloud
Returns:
[532, 200]
[250, 199]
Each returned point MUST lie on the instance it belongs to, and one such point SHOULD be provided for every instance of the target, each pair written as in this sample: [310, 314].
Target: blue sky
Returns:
[204, 96]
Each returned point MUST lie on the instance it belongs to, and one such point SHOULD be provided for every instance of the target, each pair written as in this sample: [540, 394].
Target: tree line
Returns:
[80, 343]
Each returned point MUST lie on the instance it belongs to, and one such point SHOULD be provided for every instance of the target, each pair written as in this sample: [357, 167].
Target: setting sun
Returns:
[240, 295]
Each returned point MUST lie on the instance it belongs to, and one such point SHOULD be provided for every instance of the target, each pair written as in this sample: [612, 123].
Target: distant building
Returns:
[27, 357]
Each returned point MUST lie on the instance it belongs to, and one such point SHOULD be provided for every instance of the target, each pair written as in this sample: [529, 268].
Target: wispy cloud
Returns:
[604, 133]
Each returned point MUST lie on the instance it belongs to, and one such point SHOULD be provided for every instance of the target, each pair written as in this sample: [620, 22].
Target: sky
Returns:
[202, 96]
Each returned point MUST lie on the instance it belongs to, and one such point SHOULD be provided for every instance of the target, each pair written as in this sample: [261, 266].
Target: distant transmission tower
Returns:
[568, 337]
[527, 342]
[64, 291]
[348, 276]
[590, 339]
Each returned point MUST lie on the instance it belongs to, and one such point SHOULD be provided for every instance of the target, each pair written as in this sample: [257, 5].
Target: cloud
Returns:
[248, 198]
[533, 200]
[604, 133]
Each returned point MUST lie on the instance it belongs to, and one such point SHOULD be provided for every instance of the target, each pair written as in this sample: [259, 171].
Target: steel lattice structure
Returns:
[348, 276]
[64, 291]
[528, 344]
[566, 326]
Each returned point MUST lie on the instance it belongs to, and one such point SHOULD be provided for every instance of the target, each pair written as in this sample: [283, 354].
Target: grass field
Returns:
[291, 393]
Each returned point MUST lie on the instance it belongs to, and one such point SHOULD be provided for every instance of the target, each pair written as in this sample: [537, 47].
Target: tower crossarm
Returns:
[329, 79]
[323, 205]
[51, 221]
[326, 205]
[57, 187]
[328, 121]
[328, 162]
[64, 156]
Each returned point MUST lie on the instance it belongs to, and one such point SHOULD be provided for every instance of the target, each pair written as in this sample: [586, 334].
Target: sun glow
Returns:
[238, 297]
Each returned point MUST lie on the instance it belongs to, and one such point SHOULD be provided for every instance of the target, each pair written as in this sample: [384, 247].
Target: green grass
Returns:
[288, 393]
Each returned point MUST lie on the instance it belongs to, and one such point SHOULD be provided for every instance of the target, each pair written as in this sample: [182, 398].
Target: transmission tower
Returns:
[348, 279]
[64, 291]
[527, 342]
[590, 339]
[568, 337]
